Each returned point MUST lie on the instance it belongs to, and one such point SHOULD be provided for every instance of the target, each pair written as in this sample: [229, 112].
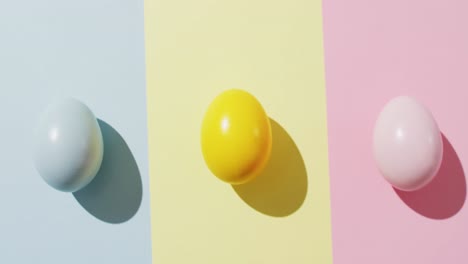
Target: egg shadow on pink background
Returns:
[445, 195]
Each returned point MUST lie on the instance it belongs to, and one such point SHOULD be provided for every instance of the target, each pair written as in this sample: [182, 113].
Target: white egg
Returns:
[408, 145]
[68, 147]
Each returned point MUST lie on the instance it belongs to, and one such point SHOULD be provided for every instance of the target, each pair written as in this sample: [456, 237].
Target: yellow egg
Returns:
[236, 137]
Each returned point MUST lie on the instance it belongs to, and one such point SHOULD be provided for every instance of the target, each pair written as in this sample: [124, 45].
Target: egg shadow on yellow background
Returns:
[115, 194]
[281, 188]
[445, 195]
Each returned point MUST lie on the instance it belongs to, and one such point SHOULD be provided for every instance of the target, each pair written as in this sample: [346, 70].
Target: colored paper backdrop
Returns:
[273, 49]
[91, 50]
[376, 50]
[94, 51]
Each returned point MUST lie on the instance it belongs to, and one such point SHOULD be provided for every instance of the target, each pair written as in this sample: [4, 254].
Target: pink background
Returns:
[376, 50]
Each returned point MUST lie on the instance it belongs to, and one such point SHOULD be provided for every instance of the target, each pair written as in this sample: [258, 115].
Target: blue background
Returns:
[92, 50]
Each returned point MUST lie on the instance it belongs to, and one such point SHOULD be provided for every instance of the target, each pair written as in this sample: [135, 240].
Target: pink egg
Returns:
[407, 144]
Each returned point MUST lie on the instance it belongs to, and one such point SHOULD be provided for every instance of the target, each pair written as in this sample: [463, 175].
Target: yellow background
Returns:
[273, 49]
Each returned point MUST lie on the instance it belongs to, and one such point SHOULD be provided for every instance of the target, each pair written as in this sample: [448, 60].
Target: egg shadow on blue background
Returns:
[445, 195]
[115, 194]
[281, 188]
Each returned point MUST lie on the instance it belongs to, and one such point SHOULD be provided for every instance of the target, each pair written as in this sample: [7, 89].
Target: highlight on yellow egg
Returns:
[236, 137]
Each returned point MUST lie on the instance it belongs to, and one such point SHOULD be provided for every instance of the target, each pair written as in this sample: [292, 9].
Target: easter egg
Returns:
[236, 137]
[407, 144]
[68, 147]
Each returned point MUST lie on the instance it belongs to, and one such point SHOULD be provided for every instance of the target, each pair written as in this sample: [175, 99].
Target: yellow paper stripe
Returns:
[273, 49]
